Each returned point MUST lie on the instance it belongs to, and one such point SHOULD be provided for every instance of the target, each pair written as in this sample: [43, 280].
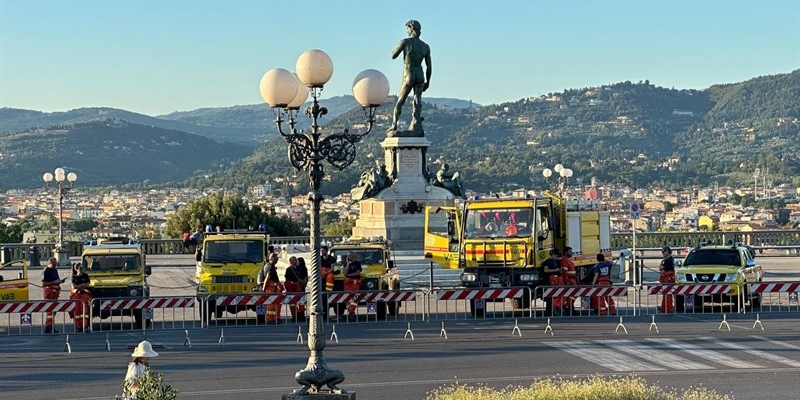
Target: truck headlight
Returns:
[468, 277]
[202, 289]
[529, 277]
[134, 292]
[731, 278]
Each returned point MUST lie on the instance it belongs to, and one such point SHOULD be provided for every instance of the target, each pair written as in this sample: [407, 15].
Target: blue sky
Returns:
[156, 57]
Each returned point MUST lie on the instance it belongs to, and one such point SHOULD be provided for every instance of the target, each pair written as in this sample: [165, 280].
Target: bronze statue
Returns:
[449, 180]
[371, 183]
[415, 51]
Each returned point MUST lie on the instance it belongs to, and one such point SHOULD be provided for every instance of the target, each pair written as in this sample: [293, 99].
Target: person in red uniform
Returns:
[602, 277]
[666, 271]
[295, 279]
[352, 281]
[51, 287]
[81, 291]
[269, 283]
[568, 278]
[326, 261]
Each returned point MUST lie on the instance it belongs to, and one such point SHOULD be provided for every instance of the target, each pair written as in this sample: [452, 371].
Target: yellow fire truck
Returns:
[503, 242]
[117, 268]
[14, 281]
[228, 262]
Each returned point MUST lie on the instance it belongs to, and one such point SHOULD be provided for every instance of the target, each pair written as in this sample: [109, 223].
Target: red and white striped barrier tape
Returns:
[775, 287]
[584, 291]
[29, 307]
[473, 294]
[259, 299]
[369, 297]
[707, 288]
[154, 302]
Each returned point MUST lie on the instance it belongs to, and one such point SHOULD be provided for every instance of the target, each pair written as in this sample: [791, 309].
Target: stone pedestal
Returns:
[397, 213]
[320, 396]
[61, 253]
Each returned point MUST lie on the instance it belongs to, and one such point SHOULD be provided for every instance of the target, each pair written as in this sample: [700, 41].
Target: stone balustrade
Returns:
[788, 240]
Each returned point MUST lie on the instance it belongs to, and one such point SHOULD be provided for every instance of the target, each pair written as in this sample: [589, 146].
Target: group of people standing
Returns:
[81, 291]
[559, 270]
[296, 279]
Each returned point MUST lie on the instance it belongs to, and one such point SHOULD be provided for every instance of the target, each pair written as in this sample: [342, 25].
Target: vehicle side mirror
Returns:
[148, 270]
[678, 263]
[390, 264]
[750, 263]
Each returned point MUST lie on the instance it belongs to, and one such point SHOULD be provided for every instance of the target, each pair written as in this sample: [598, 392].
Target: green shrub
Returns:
[151, 387]
[592, 388]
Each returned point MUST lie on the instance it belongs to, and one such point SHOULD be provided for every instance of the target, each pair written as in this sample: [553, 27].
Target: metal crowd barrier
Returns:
[251, 309]
[775, 297]
[162, 313]
[482, 303]
[585, 301]
[28, 317]
[374, 306]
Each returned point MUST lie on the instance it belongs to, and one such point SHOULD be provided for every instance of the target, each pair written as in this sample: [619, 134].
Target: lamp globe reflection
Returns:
[285, 93]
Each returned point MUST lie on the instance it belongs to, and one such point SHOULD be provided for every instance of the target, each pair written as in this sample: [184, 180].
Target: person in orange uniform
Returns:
[602, 277]
[295, 279]
[326, 261]
[81, 291]
[51, 286]
[666, 272]
[568, 278]
[269, 283]
[352, 281]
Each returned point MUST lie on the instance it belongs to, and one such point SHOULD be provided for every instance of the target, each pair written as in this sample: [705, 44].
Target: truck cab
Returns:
[117, 269]
[378, 268]
[14, 281]
[228, 262]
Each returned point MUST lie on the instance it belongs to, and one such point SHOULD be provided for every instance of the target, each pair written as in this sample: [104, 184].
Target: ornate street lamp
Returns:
[563, 174]
[285, 93]
[60, 175]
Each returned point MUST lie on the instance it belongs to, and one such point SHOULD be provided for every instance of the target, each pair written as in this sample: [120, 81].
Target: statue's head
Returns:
[414, 26]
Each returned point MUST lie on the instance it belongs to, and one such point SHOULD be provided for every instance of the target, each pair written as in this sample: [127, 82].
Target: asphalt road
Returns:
[380, 364]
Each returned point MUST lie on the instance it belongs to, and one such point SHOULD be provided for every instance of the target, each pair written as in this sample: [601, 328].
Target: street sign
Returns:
[634, 211]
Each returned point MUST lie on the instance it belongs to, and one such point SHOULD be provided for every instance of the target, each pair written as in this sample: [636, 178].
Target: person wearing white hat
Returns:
[138, 366]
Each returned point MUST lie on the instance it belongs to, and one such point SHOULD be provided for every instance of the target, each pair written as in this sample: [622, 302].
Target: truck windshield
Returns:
[715, 256]
[237, 251]
[506, 222]
[365, 256]
[111, 262]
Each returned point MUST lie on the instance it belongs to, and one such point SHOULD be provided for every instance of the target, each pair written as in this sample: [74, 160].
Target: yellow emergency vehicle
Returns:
[378, 270]
[14, 281]
[502, 243]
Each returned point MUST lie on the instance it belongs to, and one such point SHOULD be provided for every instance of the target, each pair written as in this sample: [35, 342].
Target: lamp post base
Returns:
[320, 396]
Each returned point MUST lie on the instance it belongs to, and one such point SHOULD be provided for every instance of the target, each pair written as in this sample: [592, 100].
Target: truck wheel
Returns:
[380, 310]
[393, 307]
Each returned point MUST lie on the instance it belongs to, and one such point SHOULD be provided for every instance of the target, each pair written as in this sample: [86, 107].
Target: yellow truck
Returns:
[500, 243]
[378, 270]
[228, 262]
[14, 281]
[117, 269]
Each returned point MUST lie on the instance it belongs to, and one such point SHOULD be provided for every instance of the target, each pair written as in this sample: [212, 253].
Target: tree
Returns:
[81, 225]
[10, 233]
[227, 212]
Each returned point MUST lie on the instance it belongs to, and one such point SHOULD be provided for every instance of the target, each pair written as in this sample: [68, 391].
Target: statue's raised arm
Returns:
[415, 52]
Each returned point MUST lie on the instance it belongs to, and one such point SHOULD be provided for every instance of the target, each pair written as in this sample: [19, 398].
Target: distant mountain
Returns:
[636, 134]
[110, 152]
[14, 120]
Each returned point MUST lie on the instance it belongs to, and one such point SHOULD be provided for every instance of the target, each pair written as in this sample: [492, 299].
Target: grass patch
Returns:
[592, 388]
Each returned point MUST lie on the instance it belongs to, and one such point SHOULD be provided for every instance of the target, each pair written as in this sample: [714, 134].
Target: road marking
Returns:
[604, 357]
[789, 345]
[755, 352]
[710, 355]
[655, 355]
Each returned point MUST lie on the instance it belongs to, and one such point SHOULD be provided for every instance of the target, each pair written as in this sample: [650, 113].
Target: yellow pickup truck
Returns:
[14, 281]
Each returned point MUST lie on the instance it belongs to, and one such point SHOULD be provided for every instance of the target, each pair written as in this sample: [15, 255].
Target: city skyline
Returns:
[184, 55]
